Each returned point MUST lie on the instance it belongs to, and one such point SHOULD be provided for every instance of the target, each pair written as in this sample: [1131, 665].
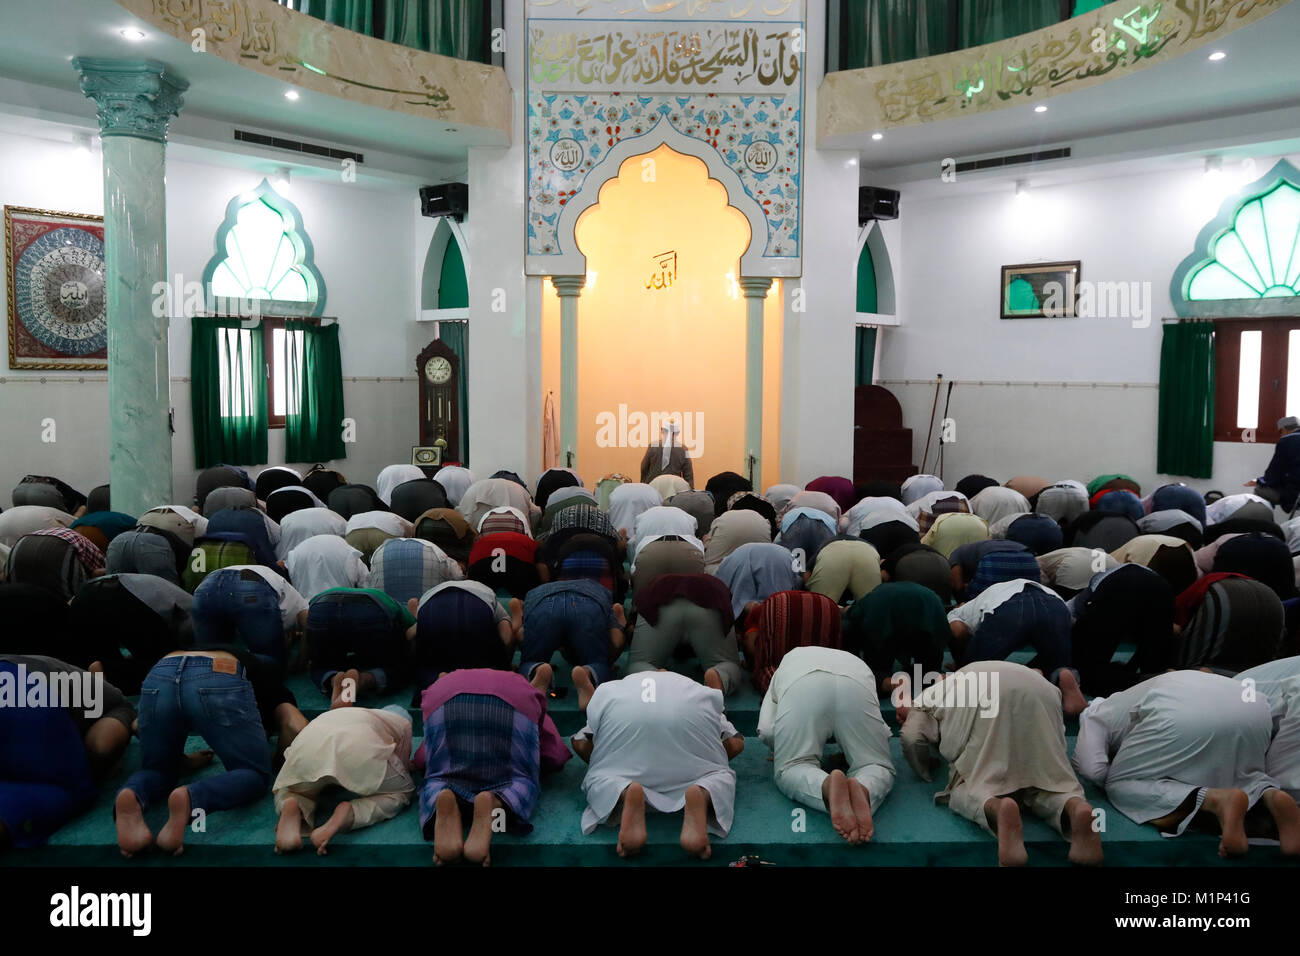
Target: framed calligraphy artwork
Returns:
[54, 274]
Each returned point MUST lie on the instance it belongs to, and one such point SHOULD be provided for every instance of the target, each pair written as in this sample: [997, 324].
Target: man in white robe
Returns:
[999, 726]
[1279, 682]
[660, 740]
[816, 694]
[1182, 745]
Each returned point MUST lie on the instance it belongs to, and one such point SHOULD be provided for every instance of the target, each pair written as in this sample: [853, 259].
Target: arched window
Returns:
[263, 257]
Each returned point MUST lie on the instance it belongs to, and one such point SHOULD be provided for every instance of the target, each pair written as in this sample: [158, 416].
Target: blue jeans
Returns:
[1031, 617]
[183, 696]
[346, 631]
[566, 619]
[240, 607]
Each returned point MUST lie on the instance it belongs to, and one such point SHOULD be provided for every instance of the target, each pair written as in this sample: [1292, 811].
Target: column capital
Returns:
[755, 287]
[568, 285]
[134, 97]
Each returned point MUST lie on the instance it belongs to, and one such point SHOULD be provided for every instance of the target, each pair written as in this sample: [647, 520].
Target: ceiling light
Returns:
[291, 95]
[132, 34]
[1217, 55]
[877, 136]
[1022, 189]
[1040, 108]
[1213, 168]
[281, 179]
[82, 143]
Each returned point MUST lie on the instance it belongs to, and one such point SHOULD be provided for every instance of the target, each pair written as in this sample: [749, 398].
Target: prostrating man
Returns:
[999, 726]
[487, 739]
[816, 694]
[1186, 746]
[205, 693]
[580, 617]
[1279, 682]
[357, 644]
[690, 609]
[658, 739]
[67, 734]
[365, 752]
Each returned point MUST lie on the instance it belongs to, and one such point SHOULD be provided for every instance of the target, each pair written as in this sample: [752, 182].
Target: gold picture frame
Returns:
[56, 292]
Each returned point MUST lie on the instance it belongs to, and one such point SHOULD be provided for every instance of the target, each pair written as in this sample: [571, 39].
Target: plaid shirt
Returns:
[404, 568]
[88, 553]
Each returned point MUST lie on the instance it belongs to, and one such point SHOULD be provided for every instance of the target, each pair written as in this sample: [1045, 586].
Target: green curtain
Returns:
[456, 335]
[450, 27]
[987, 21]
[313, 422]
[453, 286]
[887, 31]
[868, 300]
[1087, 6]
[1185, 444]
[865, 355]
[233, 431]
[355, 15]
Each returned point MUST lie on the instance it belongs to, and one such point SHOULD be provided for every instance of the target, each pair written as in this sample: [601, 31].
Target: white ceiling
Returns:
[1188, 104]
[39, 38]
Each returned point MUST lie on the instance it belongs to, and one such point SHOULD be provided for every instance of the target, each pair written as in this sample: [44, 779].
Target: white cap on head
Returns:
[1290, 421]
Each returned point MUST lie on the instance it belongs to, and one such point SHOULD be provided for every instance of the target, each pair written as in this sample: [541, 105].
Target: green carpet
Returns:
[910, 830]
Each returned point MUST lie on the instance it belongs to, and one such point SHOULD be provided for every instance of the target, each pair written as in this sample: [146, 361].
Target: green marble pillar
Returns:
[568, 288]
[135, 101]
[755, 290]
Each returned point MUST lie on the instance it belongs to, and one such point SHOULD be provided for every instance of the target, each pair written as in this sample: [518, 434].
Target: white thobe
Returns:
[665, 732]
[819, 693]
[1171, 737]
[1279, 683]
[306, 523]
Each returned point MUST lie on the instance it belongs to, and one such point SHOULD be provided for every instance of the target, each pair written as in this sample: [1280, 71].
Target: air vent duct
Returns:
[297, 146]
[1013, 159]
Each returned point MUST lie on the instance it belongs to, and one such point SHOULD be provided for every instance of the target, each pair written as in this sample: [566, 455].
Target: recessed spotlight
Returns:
[291, 95]
[1040, 108]
[1022, 189]
[132, 34]
[1217, 55]
[877, 136]
[280, 179]
[81, 142]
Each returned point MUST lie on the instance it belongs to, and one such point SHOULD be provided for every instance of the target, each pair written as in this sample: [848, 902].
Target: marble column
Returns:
[569, 288]
[755, 289]
[135, 101]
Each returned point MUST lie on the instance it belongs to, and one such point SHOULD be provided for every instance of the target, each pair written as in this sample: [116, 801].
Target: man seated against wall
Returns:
[1280, 483]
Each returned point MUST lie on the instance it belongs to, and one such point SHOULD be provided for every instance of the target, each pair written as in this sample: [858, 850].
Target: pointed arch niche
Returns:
[669, 322]
[444, 274]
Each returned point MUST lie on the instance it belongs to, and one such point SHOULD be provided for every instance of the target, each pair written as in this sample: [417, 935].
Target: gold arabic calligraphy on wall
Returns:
[281, 42]
[606, 56]
[665, 272]
[709, 9]
[1113, 40]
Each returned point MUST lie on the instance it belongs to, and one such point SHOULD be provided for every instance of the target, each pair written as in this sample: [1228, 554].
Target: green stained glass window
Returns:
[1259, 257]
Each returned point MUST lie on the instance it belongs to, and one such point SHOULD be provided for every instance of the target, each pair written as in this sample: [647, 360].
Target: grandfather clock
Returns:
[439, 372]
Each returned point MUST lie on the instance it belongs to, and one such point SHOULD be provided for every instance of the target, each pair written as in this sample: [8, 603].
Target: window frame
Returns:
[269, 324]
[1274, 351]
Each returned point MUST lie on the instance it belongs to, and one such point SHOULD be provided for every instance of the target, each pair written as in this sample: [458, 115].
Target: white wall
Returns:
[1135, 228]
[362, 239]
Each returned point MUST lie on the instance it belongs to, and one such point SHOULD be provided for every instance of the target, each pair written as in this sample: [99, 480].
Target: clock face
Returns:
[437, 370]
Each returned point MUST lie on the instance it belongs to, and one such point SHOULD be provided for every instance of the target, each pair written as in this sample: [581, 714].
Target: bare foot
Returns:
[478, 845]
[133, 834]
[340, 821]
[448, 844]
[861, 801]
[835, 792]
[1229, 807]
[1085, 842]
[542, 676]
[695, 823]
[344, 689]
[171, 838]
[1011, 834]
[288, 831]
[619, 615]
[712, 679]
[631, 830]
[1282, 806]
[582, 680]
[1072, 699]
